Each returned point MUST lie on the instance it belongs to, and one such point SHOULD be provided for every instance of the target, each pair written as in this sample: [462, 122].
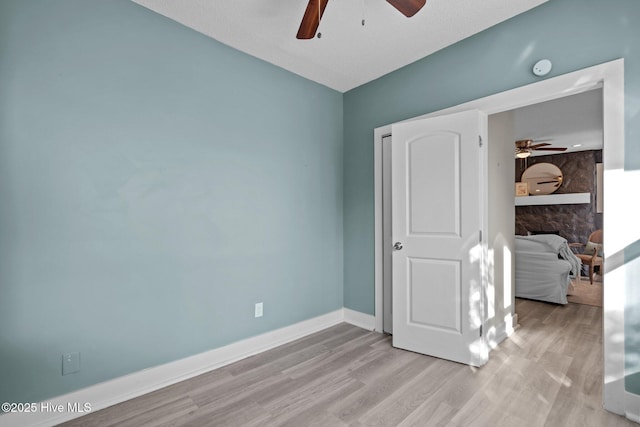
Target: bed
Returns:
[545, 266]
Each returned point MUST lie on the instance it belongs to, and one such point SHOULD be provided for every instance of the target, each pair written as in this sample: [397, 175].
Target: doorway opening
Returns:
[568, 136]
[608, 77]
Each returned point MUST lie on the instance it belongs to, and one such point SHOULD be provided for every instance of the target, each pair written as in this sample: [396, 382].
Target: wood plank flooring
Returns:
[549, 373]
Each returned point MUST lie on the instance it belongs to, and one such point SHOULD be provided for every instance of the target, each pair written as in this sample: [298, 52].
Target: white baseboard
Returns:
[632, 407]
[361, 320]
[500, 332]
[127, 387]
[514, 323]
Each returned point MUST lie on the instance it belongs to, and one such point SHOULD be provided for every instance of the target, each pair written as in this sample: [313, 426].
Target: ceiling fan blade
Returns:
[407, 7]
[311, 19]
[542, 140]
[539, 145]
[551, 149]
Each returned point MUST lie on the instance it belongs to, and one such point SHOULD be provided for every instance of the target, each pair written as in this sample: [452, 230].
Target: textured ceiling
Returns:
[348, 54]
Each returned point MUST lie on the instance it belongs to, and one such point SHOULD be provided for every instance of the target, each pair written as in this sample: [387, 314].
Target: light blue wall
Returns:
[154, 185]
[572, 33]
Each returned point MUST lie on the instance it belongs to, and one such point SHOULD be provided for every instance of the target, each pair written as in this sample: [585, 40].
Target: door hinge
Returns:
[481, 330]
[480, 235]
[480, 140]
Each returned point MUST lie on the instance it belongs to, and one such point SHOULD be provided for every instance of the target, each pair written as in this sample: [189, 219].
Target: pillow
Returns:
[591, 247]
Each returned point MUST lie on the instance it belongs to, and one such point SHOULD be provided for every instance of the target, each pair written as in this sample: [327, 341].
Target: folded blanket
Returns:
[559, 246]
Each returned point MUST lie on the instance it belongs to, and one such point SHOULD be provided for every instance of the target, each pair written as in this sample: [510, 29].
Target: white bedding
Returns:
[544, 266]
[557, 245]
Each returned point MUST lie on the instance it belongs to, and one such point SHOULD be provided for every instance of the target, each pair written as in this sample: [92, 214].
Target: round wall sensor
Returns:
[542, 67]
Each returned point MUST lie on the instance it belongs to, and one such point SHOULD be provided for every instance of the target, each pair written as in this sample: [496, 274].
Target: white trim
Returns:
[361, 320]
[502, 331]
[632, 405]
[483, 204]
[378, 235]
[127, 387]
[610, 77]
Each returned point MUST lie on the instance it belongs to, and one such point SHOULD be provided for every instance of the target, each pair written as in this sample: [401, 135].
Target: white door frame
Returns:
[610, 77]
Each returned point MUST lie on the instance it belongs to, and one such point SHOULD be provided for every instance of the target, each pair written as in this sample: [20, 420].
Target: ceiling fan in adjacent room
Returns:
[315, 10]
[524, 147]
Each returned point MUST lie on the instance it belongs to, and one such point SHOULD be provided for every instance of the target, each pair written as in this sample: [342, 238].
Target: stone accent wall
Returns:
[573, 222]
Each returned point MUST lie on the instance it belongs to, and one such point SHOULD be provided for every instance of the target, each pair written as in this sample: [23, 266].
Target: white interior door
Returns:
[437, 222]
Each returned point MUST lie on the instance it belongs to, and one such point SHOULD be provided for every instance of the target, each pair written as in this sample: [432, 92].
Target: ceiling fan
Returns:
[524, 147]
[315, 10]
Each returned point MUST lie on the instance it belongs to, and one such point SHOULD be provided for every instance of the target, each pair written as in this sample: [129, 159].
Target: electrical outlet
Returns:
[70, 363]
[258, 312]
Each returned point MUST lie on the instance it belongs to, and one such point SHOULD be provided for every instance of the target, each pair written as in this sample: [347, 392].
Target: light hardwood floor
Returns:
[549, 373]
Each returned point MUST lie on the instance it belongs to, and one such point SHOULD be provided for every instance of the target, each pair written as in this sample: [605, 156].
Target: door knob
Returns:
[397, 246]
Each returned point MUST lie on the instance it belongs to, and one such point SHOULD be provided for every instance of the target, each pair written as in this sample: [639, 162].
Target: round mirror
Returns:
[542, 178]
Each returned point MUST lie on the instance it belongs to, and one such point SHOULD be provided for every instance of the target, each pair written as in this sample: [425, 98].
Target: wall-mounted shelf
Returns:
[554, 199]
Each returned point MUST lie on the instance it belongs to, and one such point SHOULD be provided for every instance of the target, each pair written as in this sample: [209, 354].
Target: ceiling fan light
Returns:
[523, 154]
